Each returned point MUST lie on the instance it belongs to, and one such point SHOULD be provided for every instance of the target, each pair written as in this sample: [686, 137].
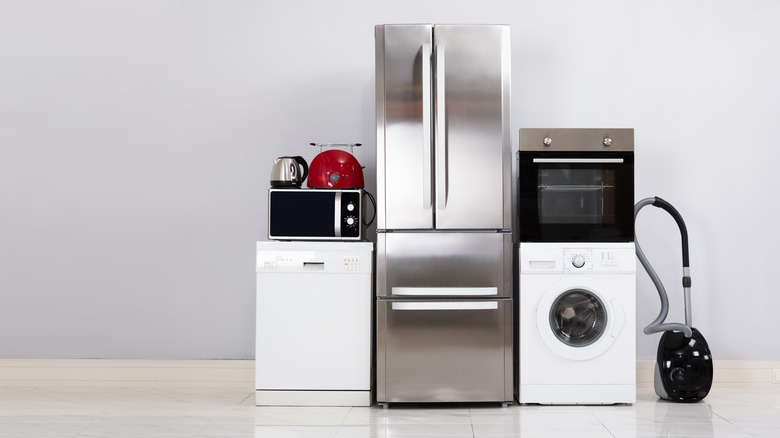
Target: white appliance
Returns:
[577, 315]
[313, 340]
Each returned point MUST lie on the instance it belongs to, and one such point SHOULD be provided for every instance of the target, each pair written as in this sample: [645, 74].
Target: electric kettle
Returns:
[287, 172]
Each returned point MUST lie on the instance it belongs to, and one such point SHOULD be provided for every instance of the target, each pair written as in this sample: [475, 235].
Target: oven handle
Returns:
[579, 160]
[446, 305]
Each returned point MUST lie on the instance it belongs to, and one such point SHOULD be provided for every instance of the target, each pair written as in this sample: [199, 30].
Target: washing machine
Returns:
[577, 314]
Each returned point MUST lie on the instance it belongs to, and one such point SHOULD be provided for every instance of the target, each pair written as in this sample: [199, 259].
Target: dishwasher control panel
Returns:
[346, 259]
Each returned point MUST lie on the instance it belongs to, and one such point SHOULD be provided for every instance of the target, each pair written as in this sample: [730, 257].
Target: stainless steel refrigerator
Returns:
[444, 223]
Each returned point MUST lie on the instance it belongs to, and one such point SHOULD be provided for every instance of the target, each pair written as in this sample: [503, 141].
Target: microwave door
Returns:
[472, 142]
[404, 127]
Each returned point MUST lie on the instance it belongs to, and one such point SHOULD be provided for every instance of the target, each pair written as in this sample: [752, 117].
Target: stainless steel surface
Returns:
[289, 171]
[444, 260]
[471, 150]
[404, 149]
[444, 214]
[576, 140]
[447, 351]
[435, 280]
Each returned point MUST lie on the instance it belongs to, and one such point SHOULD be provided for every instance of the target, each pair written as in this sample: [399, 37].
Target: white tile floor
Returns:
[172, 413]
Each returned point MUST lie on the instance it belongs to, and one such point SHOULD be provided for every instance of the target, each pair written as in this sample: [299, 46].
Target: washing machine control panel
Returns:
[578, 259]
[598, 260]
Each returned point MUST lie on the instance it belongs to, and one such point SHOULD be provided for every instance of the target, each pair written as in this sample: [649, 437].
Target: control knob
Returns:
[350, 221]
[578, 261]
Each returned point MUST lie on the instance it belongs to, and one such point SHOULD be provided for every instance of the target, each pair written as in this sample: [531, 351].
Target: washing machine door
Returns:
[579, 318]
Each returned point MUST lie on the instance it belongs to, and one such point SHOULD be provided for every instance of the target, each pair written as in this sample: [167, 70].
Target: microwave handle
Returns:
[337, 215]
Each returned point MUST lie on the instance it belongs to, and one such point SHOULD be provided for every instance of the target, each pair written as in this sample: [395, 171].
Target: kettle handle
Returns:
[302, 162]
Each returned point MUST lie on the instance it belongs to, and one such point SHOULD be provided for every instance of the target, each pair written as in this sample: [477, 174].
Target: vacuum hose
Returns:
[658, 324]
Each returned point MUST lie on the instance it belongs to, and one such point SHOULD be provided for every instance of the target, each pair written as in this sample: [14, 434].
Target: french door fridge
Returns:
[444, 213]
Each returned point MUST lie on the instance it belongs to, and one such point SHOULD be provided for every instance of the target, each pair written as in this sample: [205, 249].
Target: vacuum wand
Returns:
[658, 324]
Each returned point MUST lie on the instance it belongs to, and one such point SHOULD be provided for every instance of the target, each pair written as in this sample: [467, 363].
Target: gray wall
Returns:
[136, 140]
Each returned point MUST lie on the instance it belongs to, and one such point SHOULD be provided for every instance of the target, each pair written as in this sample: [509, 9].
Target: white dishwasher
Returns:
[314, 321]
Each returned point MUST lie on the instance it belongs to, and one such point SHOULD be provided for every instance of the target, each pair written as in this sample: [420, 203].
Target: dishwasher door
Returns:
[446, 350]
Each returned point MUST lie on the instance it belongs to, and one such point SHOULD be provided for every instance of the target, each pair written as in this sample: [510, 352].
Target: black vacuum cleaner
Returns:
[683, 372]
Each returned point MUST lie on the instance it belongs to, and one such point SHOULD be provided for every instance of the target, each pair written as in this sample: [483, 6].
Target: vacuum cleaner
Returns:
[683, 372]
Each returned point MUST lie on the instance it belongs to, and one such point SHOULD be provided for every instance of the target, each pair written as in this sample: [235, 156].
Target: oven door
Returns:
[576, 196]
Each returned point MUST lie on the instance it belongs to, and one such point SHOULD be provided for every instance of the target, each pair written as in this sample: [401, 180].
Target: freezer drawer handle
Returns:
[447, 305]
[445, 291]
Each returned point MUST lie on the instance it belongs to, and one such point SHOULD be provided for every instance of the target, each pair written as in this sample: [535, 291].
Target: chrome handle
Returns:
[445, 291]
[426, 122]
[441, 132]
[447, 305]
[579, 160]
[337, 215]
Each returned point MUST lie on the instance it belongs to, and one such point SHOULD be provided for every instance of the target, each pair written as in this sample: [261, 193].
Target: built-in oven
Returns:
[576, 185]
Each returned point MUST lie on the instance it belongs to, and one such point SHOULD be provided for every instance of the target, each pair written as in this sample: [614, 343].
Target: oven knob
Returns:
[351, 221]
[578, 261]
[607, 141]
[547, 141]
[350, 207]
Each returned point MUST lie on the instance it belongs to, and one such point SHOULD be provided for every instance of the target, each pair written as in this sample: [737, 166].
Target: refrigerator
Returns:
[444, 214]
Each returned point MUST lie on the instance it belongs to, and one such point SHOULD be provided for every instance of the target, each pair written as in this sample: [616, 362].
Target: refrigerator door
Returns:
[404, 126]
[472, 121]
[444, 264]
[444, 350]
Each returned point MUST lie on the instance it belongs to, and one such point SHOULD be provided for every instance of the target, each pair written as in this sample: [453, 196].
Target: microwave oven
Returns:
[315, 214]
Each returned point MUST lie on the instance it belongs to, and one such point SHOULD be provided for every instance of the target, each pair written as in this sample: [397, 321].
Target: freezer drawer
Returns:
[437, 262]
[448, 350]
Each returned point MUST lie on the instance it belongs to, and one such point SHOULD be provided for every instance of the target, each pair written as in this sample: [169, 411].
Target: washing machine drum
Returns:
[578, 318]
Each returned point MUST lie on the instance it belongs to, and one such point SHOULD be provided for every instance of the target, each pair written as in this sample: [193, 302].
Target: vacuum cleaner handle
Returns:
[658, 324]
[660, 203]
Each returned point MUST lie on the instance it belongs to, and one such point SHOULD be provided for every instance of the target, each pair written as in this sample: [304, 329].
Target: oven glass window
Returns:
[576, 196]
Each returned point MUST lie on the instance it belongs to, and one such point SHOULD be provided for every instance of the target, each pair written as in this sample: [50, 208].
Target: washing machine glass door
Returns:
[579, 318]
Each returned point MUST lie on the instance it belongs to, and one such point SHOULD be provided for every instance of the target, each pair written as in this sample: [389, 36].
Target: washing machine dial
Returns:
[578, 261]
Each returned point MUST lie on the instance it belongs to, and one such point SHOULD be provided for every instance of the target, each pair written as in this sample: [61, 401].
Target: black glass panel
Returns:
[302, 213]
[576, 201]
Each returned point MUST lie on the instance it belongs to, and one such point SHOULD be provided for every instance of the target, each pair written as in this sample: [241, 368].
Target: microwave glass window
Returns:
[576, 196]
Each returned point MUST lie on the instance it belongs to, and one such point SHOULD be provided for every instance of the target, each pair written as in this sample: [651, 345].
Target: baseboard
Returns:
[241, 373]
[726, 373]
[127, 373]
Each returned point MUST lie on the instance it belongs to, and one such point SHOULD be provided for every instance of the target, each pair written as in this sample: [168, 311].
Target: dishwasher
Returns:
[314, 323]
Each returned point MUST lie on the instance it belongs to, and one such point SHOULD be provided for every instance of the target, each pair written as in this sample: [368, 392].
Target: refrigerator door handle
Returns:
[441, 131]
[426, 122]
[446, 305]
